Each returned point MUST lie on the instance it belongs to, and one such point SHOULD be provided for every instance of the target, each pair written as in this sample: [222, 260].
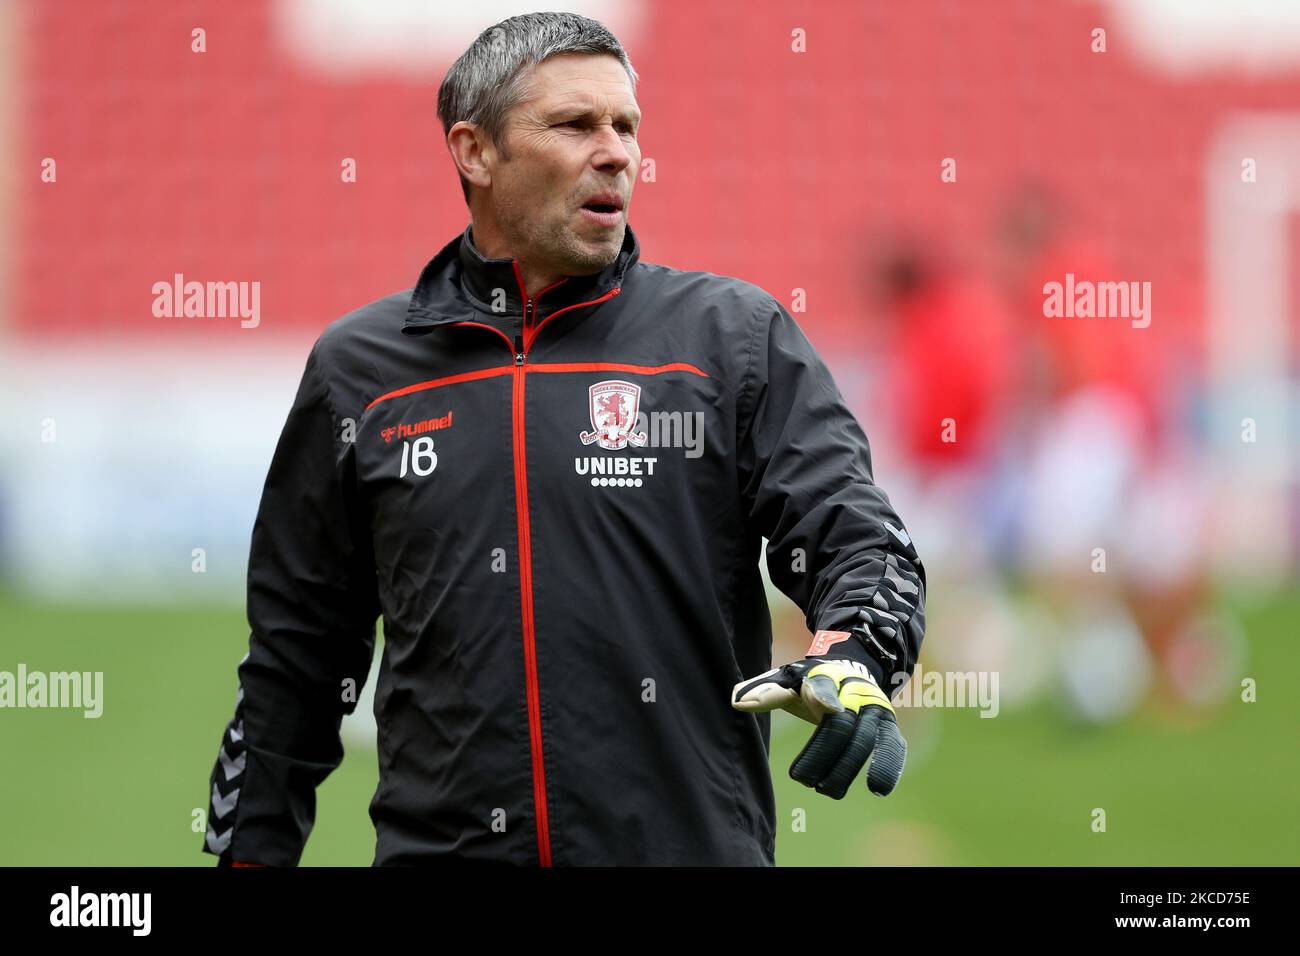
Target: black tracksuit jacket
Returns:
[556, 504]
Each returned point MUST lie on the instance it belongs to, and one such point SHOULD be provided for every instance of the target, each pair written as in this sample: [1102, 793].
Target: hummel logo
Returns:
[900, 535]
[419, 428]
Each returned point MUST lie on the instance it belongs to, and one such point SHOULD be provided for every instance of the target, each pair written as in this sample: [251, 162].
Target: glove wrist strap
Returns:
[850, 645]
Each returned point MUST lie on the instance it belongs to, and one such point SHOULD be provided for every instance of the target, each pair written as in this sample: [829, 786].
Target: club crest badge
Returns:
[613, 406]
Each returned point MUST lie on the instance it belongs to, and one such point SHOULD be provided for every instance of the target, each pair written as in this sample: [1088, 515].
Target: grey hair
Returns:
[492, 75]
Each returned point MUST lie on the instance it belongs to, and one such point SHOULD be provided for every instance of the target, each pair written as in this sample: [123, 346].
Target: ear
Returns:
[473, 155]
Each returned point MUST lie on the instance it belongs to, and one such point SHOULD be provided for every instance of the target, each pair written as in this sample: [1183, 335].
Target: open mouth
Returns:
[601, 207]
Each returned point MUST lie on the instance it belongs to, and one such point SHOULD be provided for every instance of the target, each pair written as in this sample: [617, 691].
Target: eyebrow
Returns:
[583, 110]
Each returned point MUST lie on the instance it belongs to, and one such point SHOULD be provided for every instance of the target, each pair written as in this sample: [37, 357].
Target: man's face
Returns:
[571, 139]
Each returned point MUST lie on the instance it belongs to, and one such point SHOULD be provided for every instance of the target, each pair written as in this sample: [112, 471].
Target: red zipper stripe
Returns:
[615, 367]
[523, 529]
[523, 294]
[446, 380]
[526, 566]
[484, 325]
[528, 340]
[530, 631]
[540, 367]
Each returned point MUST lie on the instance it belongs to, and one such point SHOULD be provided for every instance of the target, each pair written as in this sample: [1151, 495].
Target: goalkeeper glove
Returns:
[855, 720]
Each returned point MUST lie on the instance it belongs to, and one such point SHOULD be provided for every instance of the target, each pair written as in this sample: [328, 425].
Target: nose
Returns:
[610, 154]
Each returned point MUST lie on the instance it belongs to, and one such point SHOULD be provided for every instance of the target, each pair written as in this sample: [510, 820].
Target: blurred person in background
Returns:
[949, 388]
[1113, 523]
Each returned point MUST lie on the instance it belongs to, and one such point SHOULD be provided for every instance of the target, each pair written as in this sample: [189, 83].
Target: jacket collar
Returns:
[460, 281]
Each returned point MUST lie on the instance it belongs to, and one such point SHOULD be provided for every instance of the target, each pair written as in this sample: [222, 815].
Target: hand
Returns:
[855, 722]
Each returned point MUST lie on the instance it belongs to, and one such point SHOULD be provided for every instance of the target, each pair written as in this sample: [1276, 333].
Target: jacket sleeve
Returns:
[312, 605]
[836, 547]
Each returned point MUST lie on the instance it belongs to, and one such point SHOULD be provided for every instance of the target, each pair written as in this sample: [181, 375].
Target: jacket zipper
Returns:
[519, 347]
[524, 533]
[523, 341]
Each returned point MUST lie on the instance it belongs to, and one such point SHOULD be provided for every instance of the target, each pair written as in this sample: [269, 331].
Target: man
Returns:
[549, 466]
